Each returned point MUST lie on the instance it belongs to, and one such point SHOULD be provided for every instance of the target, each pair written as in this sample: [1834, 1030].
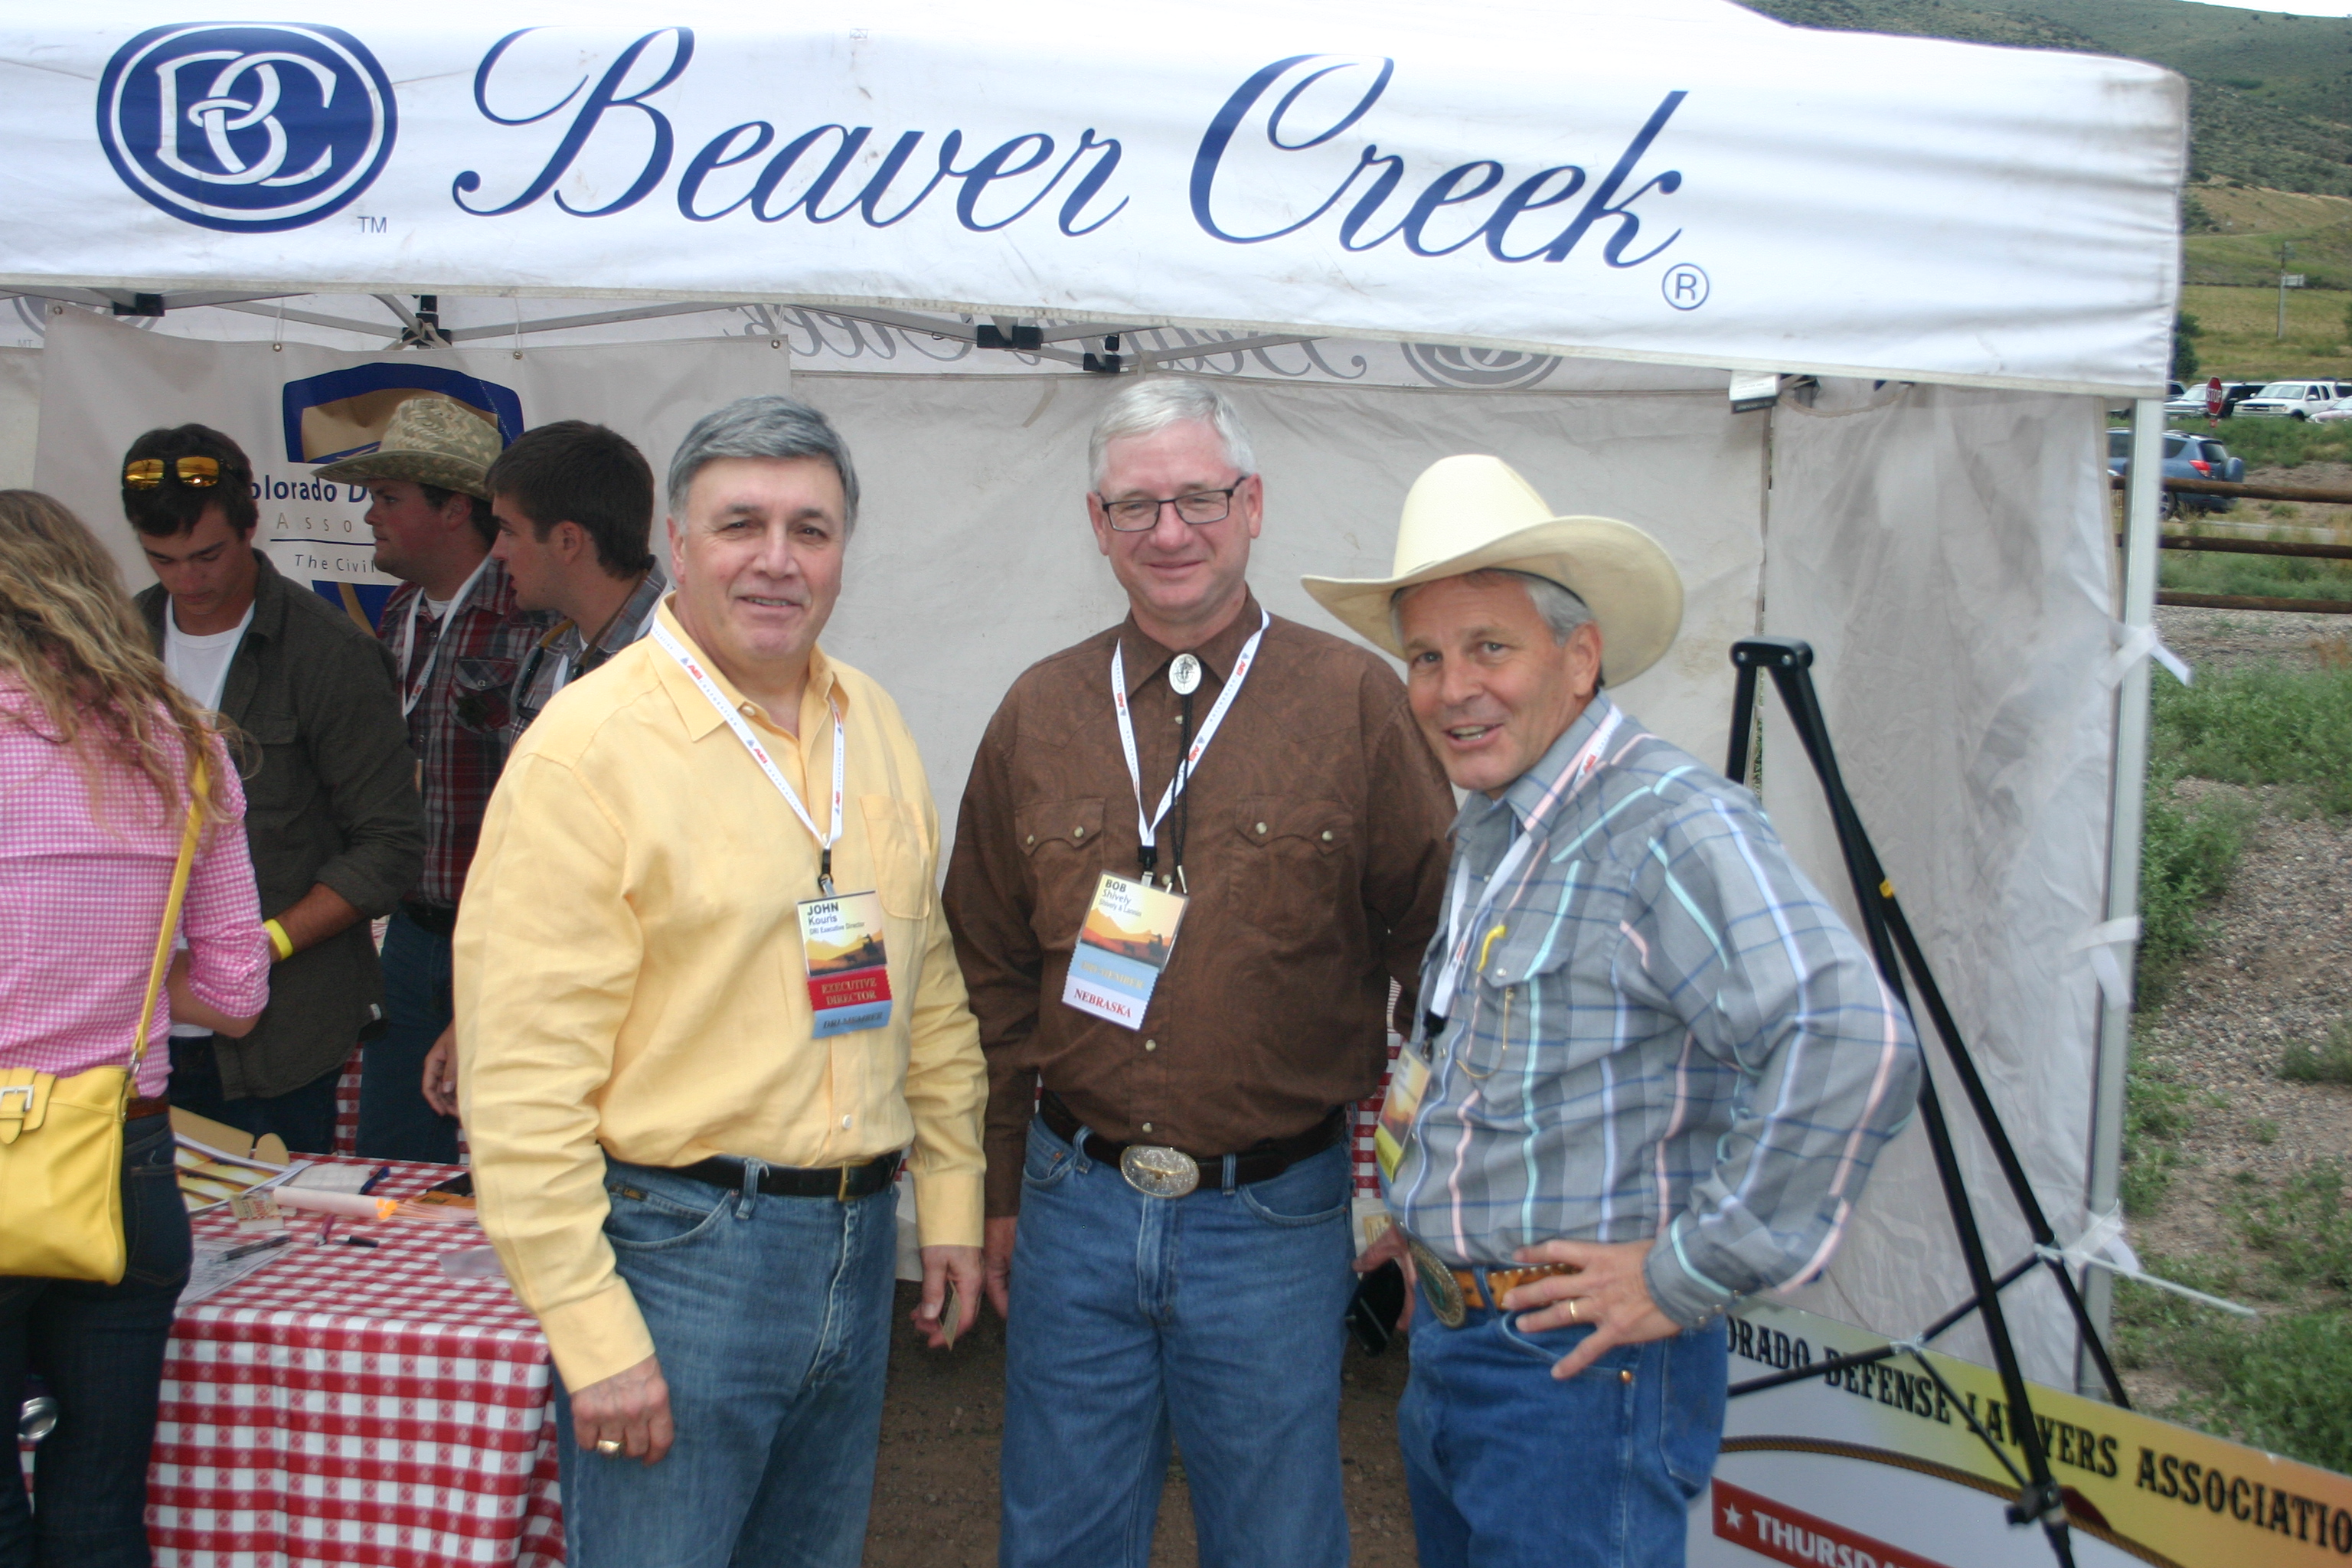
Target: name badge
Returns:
[1408, 1081]
[849, 968]
[1129, 932]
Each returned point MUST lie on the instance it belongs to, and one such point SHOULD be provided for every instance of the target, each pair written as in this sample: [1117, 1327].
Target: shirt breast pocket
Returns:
[1294, 868]
[1529, 988]
[894, 832]
[481, 692]
[1061, 844]
[272, 767]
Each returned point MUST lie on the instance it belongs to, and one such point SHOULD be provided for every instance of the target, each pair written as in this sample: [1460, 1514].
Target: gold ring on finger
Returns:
[608, 1447]
[1571, 1309]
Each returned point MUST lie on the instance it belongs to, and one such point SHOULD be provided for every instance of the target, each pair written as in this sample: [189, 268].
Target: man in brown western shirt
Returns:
[1168, 1235]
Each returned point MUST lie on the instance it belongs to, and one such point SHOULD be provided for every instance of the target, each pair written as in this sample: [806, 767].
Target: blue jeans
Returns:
[394, 1121]
[772, 1321]
[1217, 1315]
[304, 1117]
[100, 1348]
[1509, 1468]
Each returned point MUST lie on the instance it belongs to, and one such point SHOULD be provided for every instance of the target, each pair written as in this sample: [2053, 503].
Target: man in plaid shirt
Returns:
[457, 639]
[1654, 1067]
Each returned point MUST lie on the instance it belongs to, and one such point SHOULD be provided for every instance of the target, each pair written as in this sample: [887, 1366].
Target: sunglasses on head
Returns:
[197, 473]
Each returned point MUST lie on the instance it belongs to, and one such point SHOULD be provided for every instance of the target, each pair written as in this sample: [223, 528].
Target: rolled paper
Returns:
[357, 1206]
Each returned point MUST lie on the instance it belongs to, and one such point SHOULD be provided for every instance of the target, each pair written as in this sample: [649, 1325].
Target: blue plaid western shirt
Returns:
[1661, 1031]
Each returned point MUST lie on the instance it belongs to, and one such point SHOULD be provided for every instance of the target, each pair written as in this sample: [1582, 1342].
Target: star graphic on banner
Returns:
[1731, 1516]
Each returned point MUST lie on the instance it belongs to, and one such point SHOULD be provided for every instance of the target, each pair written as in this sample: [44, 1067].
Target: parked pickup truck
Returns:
[2293, 399]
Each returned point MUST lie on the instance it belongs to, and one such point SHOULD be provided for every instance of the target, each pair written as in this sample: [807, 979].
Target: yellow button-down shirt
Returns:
[629, 976]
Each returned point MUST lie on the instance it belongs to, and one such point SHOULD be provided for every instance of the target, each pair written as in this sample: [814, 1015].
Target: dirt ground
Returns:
[935, 1486]
[2276, 968]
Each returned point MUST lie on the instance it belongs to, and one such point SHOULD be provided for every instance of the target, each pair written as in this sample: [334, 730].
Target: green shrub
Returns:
[2330, 1061]
[2303, 1228]
[2284, 443]
[2255, 576]
[2187, 853]
[2156, 1114]
[2281, 1386]
[2261, 726]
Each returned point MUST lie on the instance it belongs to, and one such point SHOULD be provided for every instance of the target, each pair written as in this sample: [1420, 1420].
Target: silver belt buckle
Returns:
[1159, 1172]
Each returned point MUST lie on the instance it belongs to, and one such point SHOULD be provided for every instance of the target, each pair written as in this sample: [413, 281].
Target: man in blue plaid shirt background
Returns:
[1654, 1067]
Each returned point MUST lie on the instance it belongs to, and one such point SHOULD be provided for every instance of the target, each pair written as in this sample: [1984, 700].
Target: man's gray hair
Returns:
[765, 425]
[1561, 610]
[1147, 408]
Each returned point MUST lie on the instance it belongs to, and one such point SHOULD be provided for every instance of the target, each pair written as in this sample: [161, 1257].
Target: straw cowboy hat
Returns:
[430, 440]
[1476, 514]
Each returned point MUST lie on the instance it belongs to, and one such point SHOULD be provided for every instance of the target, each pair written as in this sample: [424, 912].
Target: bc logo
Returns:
[245, 127]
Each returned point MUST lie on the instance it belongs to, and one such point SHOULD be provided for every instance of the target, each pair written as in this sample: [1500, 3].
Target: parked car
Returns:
[2187, 456]
[2190, 405]
[2294, 399]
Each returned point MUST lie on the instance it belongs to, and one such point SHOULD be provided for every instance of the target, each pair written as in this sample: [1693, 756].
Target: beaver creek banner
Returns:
[1665, 180]
[295, 408]
[1875, 1467]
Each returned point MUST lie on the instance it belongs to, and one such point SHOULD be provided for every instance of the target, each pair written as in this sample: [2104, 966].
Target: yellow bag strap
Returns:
[198, 779]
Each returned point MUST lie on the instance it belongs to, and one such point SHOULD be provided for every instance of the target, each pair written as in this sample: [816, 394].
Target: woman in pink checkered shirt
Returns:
[94, 749]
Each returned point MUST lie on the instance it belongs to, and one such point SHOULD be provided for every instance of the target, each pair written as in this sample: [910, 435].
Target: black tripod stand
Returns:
[2038, 1499]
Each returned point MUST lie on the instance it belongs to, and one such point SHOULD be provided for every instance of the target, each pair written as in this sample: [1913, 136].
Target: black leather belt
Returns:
[441, 920]
[1261, 1162]
[840, 1183]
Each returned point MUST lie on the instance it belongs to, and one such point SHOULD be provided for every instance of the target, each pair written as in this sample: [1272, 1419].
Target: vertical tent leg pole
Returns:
[2126, 811]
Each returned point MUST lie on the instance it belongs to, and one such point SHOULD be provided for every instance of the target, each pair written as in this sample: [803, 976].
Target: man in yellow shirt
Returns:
[706, 1000]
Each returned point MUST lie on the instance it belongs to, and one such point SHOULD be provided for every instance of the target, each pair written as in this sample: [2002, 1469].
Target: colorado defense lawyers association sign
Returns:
[246, 127]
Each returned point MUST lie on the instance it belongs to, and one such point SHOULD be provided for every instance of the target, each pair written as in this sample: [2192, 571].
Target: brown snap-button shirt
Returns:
[1315, 853]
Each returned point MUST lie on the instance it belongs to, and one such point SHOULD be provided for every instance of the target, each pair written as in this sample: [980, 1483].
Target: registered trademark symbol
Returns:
[1686, 286]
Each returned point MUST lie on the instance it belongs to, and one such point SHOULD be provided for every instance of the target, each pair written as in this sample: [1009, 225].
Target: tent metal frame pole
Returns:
[2126, 818]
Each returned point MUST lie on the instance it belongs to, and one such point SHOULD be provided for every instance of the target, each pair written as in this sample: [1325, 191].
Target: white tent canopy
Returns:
[1683, 181]
[1552, 232]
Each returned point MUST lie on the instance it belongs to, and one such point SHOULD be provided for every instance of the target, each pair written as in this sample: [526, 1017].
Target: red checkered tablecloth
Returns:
[356, 1406]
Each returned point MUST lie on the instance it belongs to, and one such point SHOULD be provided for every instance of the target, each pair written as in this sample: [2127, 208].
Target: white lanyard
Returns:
[1463, 921]
[410, 694]
[1148, 828]
[825, 841]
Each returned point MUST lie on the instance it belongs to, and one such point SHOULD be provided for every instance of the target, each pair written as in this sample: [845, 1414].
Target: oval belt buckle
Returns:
[1438, 1283]
[1159, 1172]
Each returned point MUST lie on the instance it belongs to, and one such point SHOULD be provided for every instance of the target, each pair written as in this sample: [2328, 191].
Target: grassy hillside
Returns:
[2270, 95]
[2234, 234]
[2238, 332]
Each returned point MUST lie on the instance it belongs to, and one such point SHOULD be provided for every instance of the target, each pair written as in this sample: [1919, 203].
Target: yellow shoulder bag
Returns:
[61, 1139]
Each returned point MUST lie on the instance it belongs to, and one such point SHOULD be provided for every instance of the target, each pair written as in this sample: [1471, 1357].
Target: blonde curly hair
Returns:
[72, 637]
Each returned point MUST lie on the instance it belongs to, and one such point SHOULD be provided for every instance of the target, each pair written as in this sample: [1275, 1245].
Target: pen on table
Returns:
[380, 1173]
[250, 1247]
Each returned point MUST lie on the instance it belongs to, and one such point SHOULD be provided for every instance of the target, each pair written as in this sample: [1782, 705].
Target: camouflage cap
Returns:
[431, 440]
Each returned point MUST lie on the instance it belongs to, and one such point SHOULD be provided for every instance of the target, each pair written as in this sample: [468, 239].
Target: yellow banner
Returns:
[1876, 1462]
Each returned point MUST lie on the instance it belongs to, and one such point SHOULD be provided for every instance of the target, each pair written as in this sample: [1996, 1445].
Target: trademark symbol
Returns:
[372, 225]
[1686, 286]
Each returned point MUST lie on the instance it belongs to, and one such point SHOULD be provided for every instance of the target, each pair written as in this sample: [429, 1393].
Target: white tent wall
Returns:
[1944, 552]
[1941, 548]
[973, 560]
[20, 414]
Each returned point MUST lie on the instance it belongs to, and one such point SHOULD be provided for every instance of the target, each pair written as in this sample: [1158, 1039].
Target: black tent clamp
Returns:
[1894, 949]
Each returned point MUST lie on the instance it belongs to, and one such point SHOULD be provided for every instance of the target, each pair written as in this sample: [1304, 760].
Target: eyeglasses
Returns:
[1198, 508]
[196, 473]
